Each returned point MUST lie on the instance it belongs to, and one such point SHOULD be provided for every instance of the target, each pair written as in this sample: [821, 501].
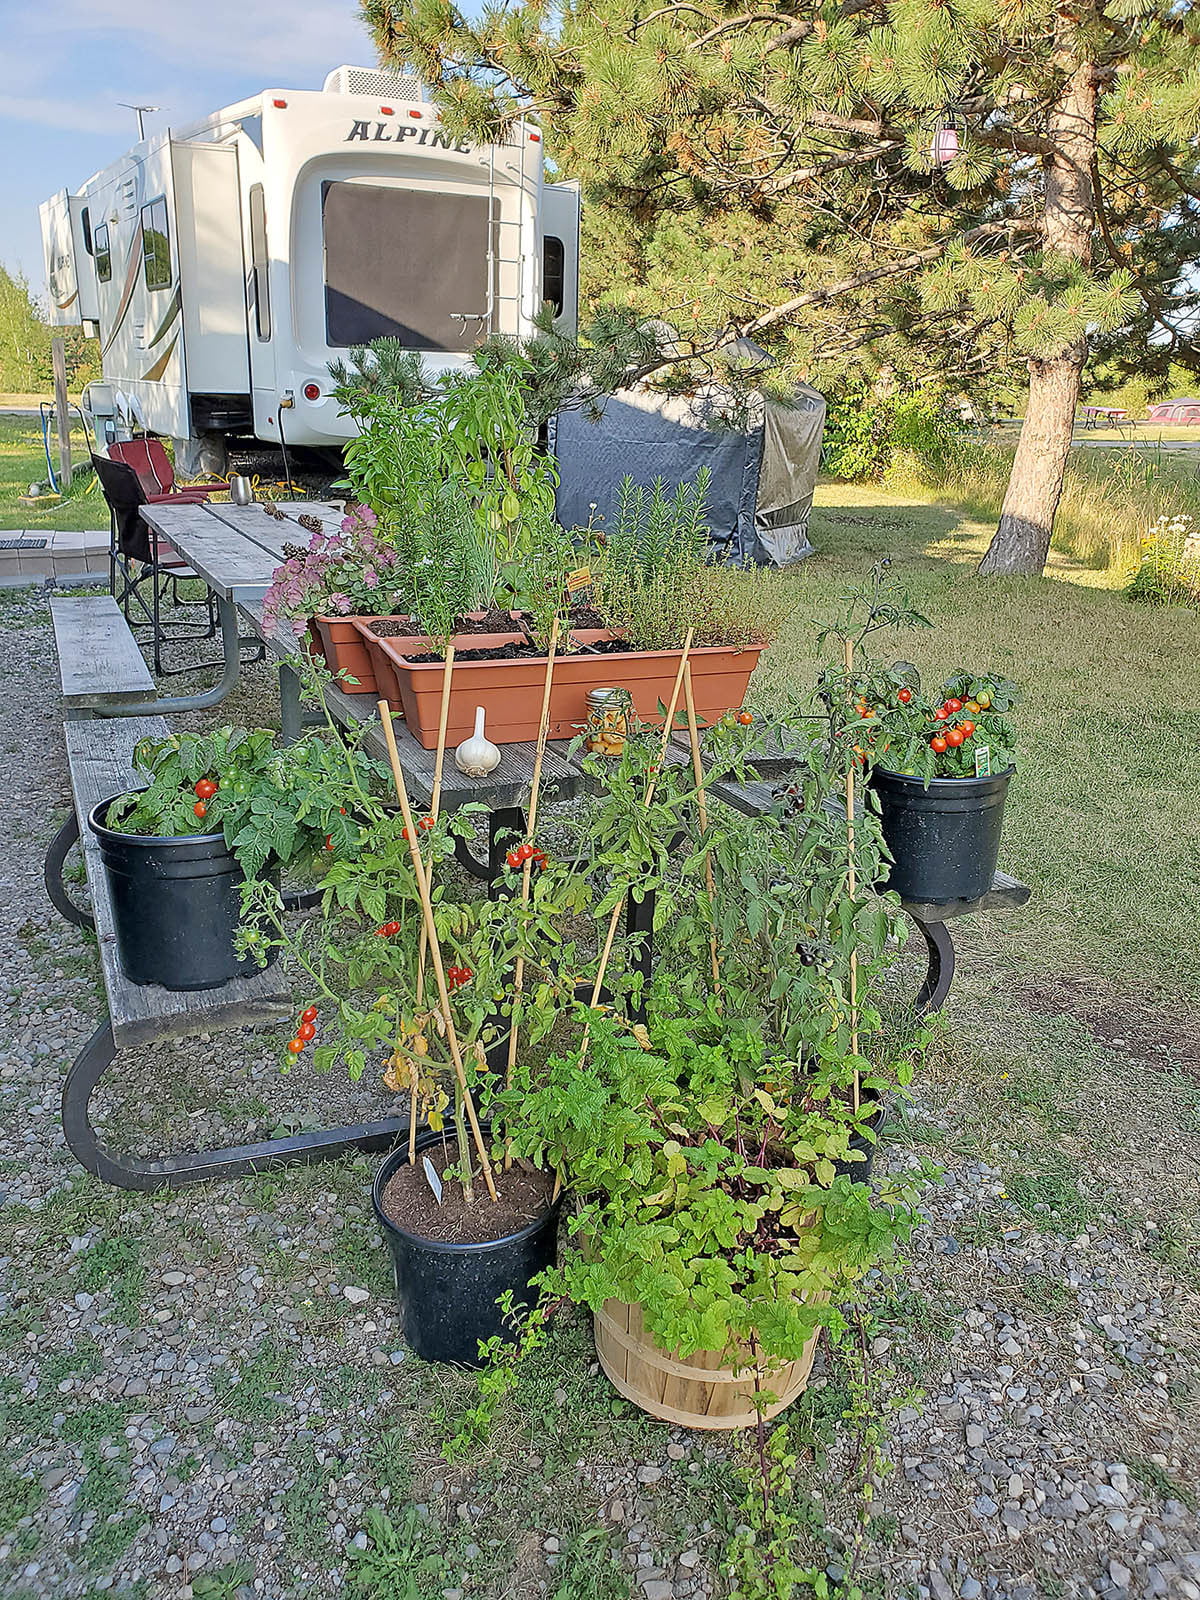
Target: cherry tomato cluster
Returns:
[306, 1031]
[457, 976]
[204, 791]
[424, 826]
[389, 930]
[956, 733]
[526, 852]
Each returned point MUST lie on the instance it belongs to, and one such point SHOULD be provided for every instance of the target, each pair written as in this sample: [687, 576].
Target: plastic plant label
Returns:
[983, 761]
[579, 579]
[435, 1183]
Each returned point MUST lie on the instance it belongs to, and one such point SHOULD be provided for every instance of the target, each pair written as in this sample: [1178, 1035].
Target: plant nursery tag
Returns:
[983, 761]
[579, 579]
[435, 1183]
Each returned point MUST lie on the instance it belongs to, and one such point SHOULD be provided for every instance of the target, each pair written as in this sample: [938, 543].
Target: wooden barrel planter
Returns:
[703, 1391]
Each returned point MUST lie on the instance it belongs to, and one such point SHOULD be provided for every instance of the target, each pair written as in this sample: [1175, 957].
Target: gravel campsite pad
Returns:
[206, 1394]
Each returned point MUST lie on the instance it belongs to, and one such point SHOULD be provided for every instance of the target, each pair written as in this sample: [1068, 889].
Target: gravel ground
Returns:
[206, 1393]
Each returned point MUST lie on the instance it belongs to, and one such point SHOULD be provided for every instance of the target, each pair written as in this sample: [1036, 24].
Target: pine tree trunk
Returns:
[1021, 542]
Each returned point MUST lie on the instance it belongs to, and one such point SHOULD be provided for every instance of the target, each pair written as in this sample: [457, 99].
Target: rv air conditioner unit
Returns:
[374, 81]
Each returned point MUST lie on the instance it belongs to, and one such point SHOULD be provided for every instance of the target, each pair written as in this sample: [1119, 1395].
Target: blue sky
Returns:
[69, 62]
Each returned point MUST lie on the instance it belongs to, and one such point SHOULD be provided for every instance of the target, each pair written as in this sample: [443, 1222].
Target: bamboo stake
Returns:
[668, 728]
[422, 947]
[435, 949]
[702, 810]
[436, 802]
[527, 867]
[851, 881]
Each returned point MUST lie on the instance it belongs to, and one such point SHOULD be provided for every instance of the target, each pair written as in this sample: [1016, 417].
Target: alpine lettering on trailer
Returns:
[385, 134]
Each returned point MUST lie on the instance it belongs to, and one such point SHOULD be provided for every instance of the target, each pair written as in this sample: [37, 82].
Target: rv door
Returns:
[560, 252]
[66, 248]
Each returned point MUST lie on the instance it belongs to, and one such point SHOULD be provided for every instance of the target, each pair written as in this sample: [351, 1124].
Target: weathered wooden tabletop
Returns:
[235, 549]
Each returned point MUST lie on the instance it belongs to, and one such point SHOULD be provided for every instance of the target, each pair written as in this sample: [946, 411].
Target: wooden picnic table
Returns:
[236, 549]
[1101, 416]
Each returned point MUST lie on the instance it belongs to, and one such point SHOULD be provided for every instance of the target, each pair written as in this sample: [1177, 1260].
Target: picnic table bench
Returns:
[100, 753]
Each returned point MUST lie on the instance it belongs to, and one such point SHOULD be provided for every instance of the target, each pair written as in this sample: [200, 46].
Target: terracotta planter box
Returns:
[511, 691]
[338, 641]
[384, 662]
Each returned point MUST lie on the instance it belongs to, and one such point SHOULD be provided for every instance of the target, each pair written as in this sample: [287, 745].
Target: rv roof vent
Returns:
[374, 81]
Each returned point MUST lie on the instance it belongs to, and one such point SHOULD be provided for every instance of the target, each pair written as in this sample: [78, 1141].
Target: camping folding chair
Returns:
[155, 472]
[137, 557]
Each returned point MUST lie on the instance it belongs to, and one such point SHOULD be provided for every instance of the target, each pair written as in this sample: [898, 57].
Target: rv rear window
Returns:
[102, 252]
[405, 263]
[156, 245]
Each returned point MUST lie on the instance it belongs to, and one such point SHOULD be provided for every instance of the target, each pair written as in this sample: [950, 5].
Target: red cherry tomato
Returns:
[953, 705]
[745, 718]
[937, 744]
[968, 728]
[309, 1014]
[426, 823]
[200, 808]
[295, 1046]
[904, 696]
[513, 859]
[306, 1031]
[329, 841]
[940, 714]
[205, 789]
[954, 737]
[526, 852]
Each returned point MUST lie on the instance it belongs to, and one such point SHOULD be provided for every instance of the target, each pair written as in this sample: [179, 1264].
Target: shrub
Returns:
[1169, 572]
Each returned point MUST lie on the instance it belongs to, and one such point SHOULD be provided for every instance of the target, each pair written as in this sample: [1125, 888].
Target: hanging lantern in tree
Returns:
[944, 148]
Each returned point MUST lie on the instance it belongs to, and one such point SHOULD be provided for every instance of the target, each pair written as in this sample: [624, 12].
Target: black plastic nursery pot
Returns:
[447, 1293]
[945, 839]
[858, 1163]
[176, 904]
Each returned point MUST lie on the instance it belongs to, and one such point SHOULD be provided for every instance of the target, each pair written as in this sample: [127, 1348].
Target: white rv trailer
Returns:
[225, 264]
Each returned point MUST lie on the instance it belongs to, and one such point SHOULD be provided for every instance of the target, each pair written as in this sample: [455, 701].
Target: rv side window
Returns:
[260, 262]
[554, 272]
[86, 223]
[156, 245]
[103, 253]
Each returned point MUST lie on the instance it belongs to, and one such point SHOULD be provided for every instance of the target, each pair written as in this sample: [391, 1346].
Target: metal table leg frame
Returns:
[231, 667]
[293, 718]
[933, 992]
[175, 1172]
[52, 873]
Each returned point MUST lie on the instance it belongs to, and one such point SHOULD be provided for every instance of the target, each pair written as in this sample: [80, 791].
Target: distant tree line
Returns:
[25, 337]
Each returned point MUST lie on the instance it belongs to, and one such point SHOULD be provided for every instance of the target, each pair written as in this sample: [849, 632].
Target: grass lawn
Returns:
[23, 461]
[1102, 817]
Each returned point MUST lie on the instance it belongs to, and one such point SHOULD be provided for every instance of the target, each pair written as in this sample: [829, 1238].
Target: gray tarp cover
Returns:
[763, 474]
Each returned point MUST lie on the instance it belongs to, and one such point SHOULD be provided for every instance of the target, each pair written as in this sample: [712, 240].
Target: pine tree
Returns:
[941, 188]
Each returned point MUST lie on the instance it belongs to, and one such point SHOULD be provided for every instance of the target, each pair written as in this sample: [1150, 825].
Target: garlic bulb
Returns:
[477, 756]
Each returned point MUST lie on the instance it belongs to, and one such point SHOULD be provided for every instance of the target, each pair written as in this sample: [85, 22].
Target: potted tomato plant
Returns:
[219, 811]
[942, 766]
[462, 1224]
